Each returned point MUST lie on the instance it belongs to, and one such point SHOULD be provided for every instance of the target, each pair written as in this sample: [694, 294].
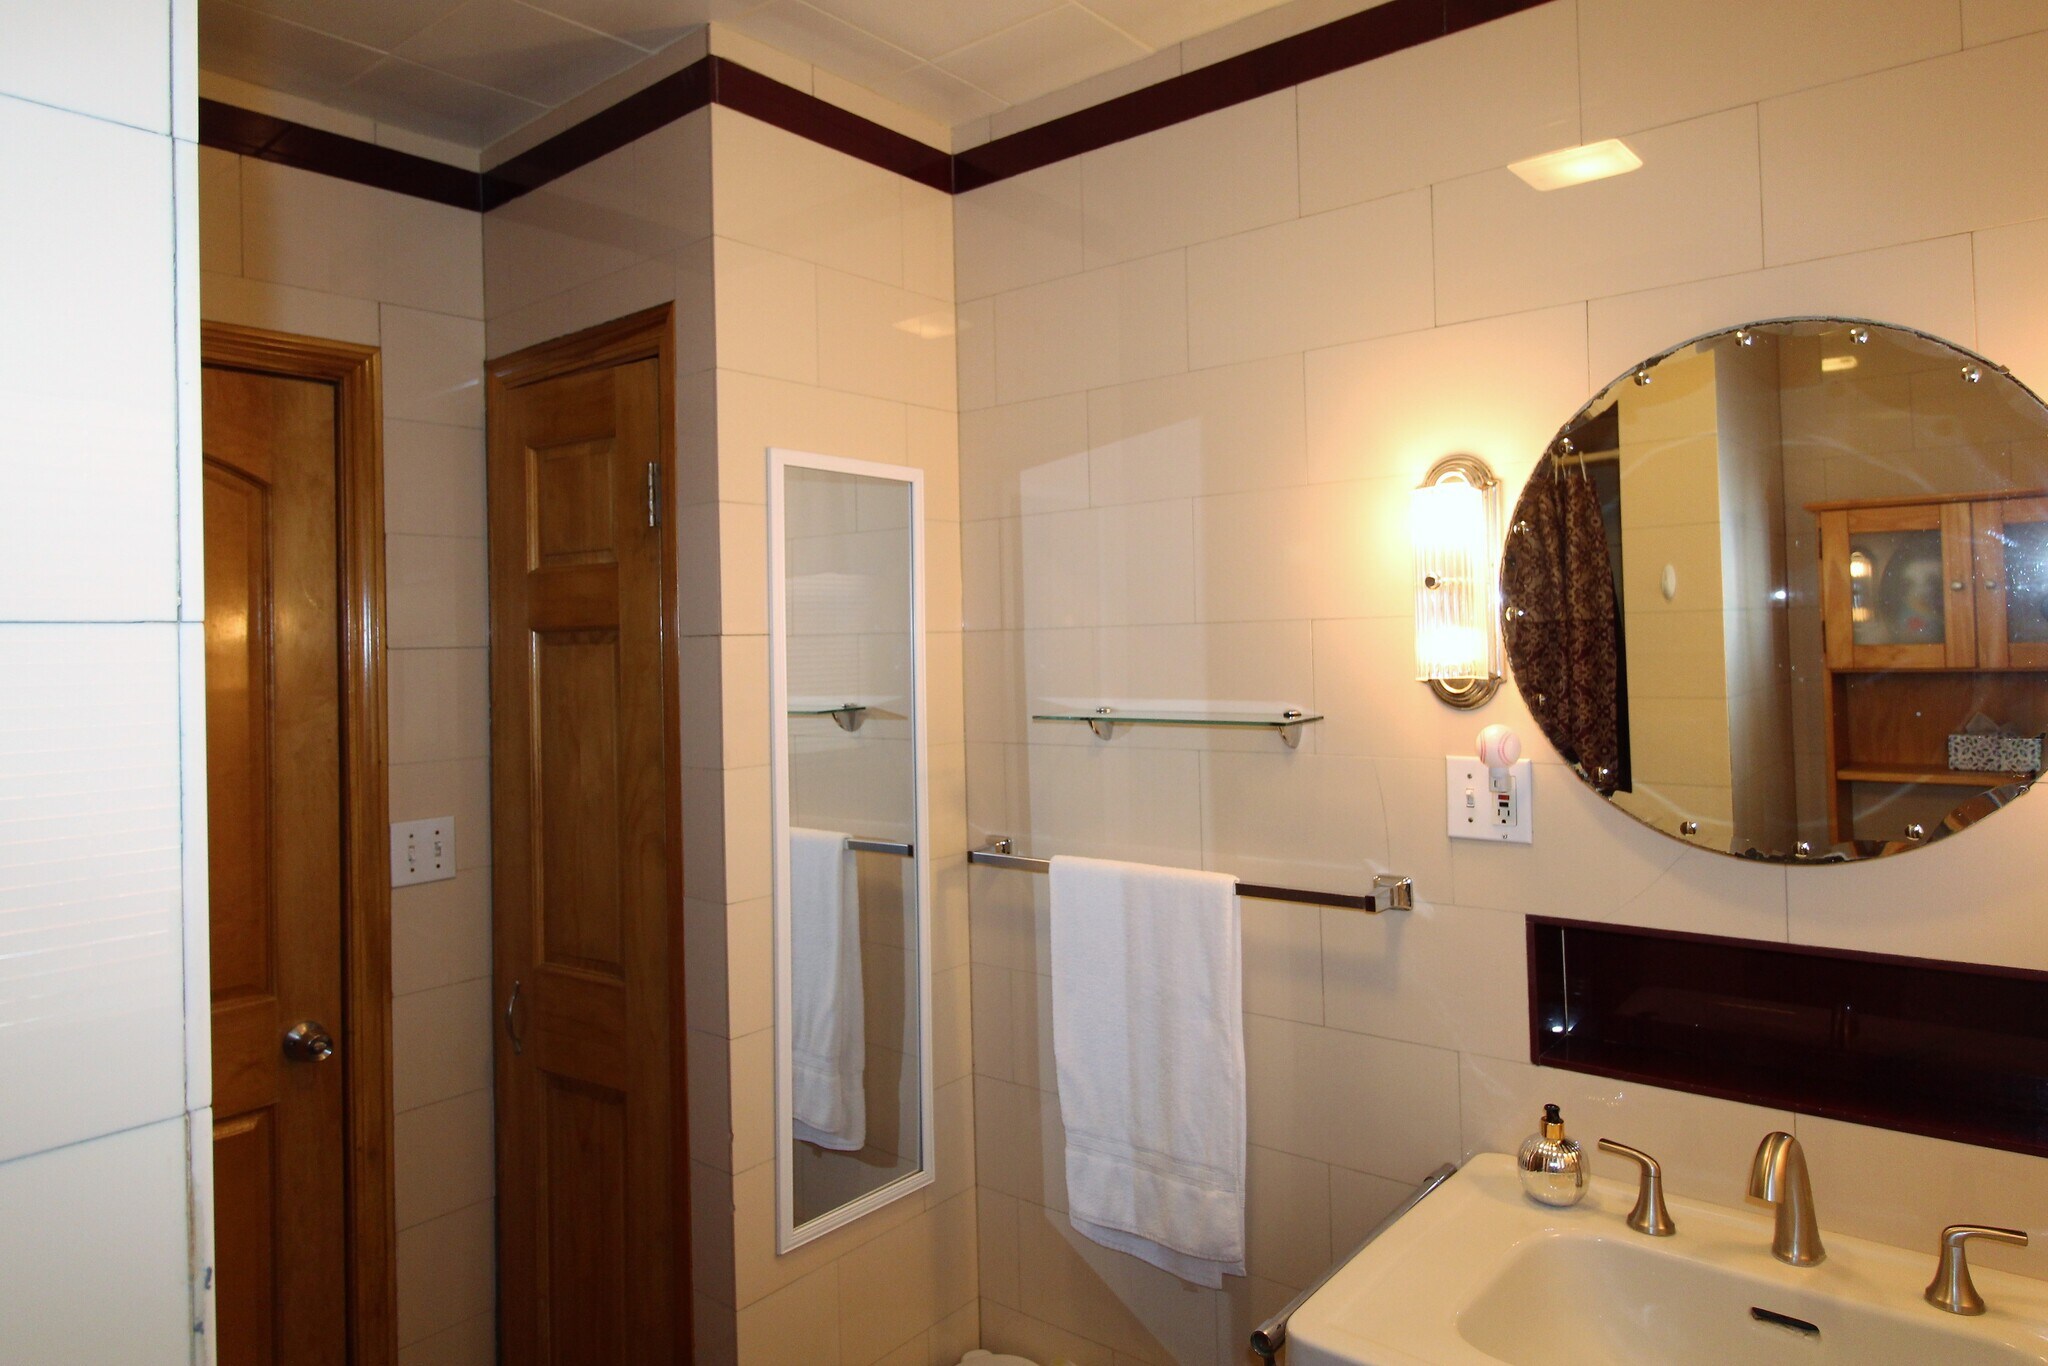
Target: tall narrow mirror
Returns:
[852, 961]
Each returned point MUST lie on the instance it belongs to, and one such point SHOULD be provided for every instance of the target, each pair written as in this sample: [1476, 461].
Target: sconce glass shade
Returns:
[1453, 581]
[1453, 527]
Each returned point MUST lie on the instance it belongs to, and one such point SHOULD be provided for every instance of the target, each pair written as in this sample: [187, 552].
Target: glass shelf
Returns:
[1104, 720]
[847, 715]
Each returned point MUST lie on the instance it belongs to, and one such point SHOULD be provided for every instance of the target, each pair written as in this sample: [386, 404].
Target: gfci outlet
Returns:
[422, 851]
[1476, 807]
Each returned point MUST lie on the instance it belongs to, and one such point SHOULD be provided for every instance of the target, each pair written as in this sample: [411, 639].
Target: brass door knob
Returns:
[308, 1041]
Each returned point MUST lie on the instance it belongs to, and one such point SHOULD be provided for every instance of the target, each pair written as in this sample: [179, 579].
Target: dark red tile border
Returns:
[1351, 41]
[1956, 1051]
[672, 97]
[795, 111]
[1347, 42]
[230, 129]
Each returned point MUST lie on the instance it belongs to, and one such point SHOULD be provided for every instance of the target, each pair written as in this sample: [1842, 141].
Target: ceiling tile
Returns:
[1160, 23]
[434, 103]
[932, 28]
[1057, 48]
[269, 52]
[374, 23]
[940, 94]
[649, 25]
[817, 37]
[521, 51]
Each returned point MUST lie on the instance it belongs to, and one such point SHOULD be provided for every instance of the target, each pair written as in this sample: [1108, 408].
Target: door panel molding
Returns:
[356, 373]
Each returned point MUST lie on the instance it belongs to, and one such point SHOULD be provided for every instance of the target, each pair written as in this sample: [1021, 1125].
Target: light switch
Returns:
[422, 851]
[1479, 807]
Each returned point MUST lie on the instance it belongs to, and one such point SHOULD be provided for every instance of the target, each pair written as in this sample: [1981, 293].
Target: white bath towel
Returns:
[1148, 1036]
[827, 1015]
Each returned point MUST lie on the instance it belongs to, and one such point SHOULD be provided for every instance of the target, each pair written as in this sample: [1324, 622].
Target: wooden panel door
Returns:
[274, 794]
[584, 918]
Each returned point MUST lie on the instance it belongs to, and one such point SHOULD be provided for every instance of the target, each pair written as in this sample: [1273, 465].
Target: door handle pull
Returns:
[309, 1041]
[512, 1020]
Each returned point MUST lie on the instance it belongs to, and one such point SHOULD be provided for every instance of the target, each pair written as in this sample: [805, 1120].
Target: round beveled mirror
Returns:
[1782, 591]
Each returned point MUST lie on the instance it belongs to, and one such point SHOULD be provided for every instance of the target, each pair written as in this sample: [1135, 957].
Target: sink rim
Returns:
[1434, 1263]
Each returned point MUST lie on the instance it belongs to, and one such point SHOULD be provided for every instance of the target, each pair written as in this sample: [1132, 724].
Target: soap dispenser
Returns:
[1553, 1167]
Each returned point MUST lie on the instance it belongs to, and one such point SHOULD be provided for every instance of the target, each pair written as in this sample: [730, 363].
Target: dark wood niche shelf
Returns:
[1955, 1051]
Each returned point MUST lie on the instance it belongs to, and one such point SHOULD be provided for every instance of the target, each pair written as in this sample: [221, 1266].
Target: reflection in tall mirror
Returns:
[1783, 590]
[853, 1053]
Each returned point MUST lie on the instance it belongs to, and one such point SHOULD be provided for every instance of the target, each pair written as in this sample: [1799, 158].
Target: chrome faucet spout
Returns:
[1778, 1175]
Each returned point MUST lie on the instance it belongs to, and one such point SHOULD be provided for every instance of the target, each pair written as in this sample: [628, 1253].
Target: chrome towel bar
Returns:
[1269, 1337]
[1390, 891]
[896, 847]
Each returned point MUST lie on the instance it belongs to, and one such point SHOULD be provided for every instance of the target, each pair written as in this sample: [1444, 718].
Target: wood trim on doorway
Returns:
[648, 334]
[355, 371]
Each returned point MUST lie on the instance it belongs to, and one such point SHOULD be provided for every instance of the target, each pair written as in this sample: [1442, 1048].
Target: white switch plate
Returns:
[1473, 811]
[422, 851]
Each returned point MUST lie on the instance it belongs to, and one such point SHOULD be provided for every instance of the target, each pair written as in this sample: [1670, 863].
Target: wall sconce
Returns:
[1454, 526]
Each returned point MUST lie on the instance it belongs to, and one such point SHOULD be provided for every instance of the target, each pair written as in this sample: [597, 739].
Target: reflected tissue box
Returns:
[1994, 753]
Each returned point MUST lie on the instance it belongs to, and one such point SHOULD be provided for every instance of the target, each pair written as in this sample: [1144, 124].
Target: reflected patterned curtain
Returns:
[1563, 627]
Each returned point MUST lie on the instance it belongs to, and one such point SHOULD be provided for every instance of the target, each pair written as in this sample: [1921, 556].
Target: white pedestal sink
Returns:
[1478, 1273]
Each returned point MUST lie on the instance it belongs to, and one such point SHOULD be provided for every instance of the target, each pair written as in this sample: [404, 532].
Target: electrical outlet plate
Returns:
[1473, 811]
[422, 851]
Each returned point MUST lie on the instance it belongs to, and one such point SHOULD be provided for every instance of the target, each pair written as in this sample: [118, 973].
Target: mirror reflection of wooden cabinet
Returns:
[2012, 582]
[1933, 610]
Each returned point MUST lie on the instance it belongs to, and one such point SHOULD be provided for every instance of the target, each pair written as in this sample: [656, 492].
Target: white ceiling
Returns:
[471, 71]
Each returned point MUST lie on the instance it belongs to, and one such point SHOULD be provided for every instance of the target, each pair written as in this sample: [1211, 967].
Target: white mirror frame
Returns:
[788, 1236]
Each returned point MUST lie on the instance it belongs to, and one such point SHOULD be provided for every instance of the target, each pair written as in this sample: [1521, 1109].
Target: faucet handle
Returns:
[1951, 1288]
[1649, 1216]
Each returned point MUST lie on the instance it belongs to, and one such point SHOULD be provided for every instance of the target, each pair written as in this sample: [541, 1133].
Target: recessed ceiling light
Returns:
[1830, 364]
[1577, 165]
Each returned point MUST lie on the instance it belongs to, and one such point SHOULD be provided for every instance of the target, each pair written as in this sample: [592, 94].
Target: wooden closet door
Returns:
[583, 921]
[274, 848]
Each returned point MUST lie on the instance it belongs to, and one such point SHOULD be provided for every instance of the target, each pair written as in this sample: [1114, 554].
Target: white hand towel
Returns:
[827, 1016]
[1148, 1036]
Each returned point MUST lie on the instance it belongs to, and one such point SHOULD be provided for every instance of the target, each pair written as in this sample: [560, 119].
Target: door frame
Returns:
[646, 335]
[371, 1222]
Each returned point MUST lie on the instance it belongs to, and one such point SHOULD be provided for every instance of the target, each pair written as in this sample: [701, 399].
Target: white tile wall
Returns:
[88, 369]
[819, 205]
[1904, 154]
[1923, 284]
[336, 237]
[127, 78]
[2012, 284]
[1323, 372]
[1020, 231]
[1992, 21]
[1215, 175]
[102, 885]
[94, 1264]
[1105, 326]
[1473, 101]
[1689, 213]
[1645, 66]
[833, 289]
[1310, 282]
[92, 1010]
